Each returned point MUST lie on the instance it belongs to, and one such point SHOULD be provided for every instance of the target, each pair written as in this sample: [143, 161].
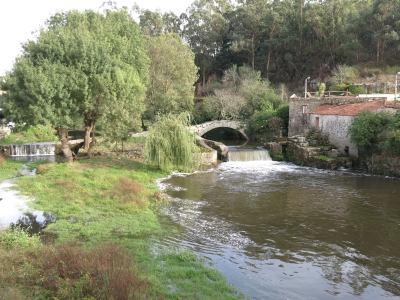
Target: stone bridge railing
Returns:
[203, 128]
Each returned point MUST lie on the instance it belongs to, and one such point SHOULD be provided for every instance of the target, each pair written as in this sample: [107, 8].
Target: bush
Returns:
[357, 89]
[18, 237]
[40, 133]
[367, 127]
[341, 87]
[343, 74]
[259, 121]
[283, 113]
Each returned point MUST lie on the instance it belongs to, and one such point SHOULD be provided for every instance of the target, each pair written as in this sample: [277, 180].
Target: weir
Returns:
[33, 149]
[248, 155]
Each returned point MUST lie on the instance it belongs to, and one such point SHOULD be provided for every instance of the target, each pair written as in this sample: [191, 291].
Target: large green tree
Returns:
[205, 28]
[83, 66]
[173, 74]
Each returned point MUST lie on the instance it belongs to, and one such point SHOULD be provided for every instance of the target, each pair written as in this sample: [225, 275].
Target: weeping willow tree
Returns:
[170, 145]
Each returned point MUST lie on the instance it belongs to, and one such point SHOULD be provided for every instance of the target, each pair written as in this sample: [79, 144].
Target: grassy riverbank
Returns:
[9, 168]
[106, 211]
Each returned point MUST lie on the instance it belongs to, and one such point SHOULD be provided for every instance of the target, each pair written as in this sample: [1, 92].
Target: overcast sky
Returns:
[18, 18]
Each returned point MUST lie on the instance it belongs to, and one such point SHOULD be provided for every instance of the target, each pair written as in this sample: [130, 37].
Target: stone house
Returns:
[332, 117]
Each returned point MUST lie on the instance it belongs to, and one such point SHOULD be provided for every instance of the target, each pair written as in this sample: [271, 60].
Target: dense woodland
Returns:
[286, 40]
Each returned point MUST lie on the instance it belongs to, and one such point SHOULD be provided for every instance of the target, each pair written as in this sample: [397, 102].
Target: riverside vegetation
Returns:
[100, 247]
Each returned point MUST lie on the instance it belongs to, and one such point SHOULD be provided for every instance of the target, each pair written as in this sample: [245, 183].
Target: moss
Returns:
[323, 157]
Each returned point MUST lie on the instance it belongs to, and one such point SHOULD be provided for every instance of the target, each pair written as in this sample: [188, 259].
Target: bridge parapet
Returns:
[203, 128]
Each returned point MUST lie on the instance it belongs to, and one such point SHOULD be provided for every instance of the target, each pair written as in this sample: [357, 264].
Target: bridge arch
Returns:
[203, 128]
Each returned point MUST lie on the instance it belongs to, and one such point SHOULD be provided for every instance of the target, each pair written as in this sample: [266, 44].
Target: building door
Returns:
[316, 123]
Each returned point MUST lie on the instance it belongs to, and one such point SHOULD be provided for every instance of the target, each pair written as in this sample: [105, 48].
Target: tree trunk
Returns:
[91, 144]
[377, 50]
[204, 80]
[66, 150]
[89, 124]
[253, 53]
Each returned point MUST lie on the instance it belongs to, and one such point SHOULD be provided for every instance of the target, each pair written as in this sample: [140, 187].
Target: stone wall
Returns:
[336, 128]
[209, 158]
[383, 165]
[299, 122]
[203, 128]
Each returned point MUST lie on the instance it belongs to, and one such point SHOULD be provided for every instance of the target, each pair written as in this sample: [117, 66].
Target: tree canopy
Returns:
[287, 39]
[173, 74]
[83, 66]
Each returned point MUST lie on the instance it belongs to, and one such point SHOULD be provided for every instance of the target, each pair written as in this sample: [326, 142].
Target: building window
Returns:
[305, 109]
[346, 150]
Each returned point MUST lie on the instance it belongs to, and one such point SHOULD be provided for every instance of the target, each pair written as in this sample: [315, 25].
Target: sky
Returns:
[19, 18]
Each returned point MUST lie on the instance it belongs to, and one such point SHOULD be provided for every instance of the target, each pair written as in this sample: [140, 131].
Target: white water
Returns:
[33, 149]
[249, 155]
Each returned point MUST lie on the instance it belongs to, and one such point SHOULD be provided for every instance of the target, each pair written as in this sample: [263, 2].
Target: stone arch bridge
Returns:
[203, 128]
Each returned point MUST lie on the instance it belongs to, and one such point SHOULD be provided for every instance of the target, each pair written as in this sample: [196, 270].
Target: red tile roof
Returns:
[348, 109]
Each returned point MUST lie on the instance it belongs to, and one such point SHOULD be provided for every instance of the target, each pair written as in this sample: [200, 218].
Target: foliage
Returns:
[319, 36]
[260, 120]
[275, 123]
[224, 105]
[357, 89]
[343, 74]
[18, 237]
[320, 89]
[83, 66]
[172, 76]
[391, 138]
[40, 133]
[242, 92]
[283, 113]
[366, 127]
[170, 145]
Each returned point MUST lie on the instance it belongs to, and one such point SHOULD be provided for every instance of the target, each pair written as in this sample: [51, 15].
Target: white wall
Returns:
[337, 129]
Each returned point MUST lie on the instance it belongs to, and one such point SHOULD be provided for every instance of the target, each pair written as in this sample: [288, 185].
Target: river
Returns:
[280, 231]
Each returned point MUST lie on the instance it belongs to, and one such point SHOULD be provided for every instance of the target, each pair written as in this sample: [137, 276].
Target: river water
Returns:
[280, 231]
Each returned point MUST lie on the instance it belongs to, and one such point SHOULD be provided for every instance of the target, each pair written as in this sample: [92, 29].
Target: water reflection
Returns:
[280, 231]
[34, 223]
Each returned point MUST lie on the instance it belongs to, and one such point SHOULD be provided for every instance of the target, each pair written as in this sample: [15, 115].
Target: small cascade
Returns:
[249, 155]
[33, 149]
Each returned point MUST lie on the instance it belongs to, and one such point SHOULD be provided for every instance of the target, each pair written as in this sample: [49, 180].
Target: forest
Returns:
[286, 40]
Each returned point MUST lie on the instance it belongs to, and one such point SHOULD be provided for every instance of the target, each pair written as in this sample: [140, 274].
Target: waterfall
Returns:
[33, 149]
[249, 155]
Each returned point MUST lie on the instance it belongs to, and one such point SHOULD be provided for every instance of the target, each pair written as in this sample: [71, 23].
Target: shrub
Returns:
[105, 272]
[18, 237]
[341, 87]
[392, 143]
[259, 121]
[320, 88]
[366, 128]
[343, 74]
[357, 89]
[40, 133]
[283, 113]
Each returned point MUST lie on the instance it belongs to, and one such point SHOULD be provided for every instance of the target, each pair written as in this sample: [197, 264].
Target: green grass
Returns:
[9, 168]
[113, 201]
